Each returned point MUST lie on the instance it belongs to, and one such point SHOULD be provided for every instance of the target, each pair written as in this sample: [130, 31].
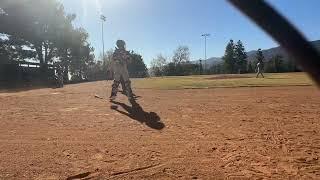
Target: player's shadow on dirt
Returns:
[134, 95]
[137, 113]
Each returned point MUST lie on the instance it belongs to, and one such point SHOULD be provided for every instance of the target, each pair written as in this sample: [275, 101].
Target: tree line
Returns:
[179, 65]
[41, 31]
[234, 61]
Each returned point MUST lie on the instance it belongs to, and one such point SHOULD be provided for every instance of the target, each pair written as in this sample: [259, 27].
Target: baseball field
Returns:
[196, 127]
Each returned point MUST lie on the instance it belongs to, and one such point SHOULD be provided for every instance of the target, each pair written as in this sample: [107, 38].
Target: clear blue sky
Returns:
[151, 27]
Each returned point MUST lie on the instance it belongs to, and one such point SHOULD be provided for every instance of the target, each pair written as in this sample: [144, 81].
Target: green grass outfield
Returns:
[225, 80]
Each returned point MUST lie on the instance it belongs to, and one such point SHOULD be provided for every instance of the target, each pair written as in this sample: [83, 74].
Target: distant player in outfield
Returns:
[259, 70]
[119, 66]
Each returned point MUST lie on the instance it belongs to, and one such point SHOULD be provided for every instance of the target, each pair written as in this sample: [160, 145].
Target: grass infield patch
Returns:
[226, 80]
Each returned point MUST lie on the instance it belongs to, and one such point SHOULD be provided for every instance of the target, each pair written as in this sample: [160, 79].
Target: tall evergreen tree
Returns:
[229, 58]
[240, 57]
[250, 68]
[278, 64]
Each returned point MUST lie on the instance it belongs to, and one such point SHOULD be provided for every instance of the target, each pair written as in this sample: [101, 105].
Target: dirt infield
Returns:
[189, 134]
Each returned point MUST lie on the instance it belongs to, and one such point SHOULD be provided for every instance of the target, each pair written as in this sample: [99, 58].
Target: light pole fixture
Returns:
[205, 49]
[103, 19]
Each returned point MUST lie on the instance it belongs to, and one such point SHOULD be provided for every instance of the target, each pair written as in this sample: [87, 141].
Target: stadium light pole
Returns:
[205, 49]
[103, 19]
